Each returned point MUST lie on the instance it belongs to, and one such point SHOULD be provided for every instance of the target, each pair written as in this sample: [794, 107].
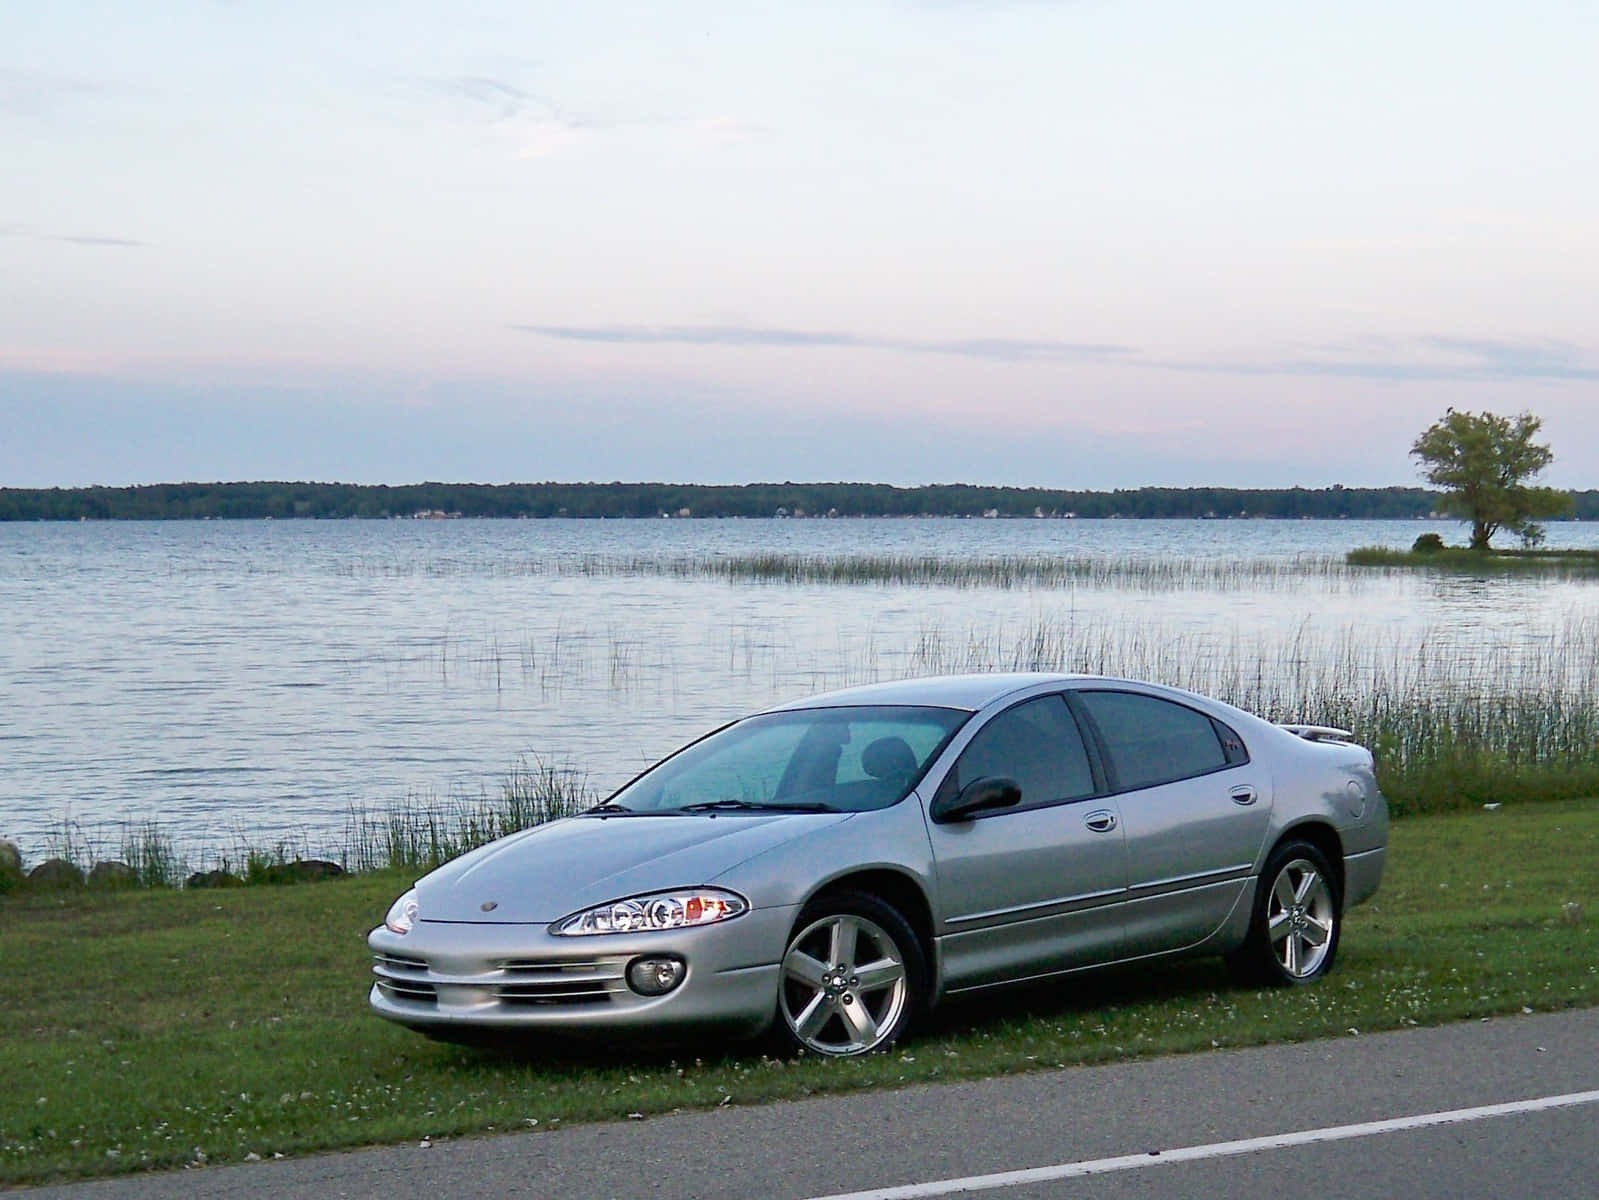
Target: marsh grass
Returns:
[418, 835]
[415, 834]
[166, 1029]
[1152, 573]
[1173, 573]
[1454, 720]
[1557, 564]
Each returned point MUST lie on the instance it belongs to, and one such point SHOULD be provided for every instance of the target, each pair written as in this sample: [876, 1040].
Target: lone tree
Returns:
[1484, 461]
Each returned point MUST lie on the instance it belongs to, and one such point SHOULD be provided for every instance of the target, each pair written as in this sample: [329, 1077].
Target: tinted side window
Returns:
[1150, 740]
[1038, 744]
[1231, 744]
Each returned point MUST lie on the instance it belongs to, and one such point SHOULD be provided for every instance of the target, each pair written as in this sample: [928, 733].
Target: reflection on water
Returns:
[246, 678]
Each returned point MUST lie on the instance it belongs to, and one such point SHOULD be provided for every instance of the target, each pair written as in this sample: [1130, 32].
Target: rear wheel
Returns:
[853, 976]
[1293, 933]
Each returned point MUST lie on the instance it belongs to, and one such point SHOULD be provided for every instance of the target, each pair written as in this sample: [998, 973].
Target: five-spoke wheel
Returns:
[1301, 918]
[1293, 933]
[852, 976]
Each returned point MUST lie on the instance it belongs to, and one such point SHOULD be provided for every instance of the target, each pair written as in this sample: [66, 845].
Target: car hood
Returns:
[547, 872]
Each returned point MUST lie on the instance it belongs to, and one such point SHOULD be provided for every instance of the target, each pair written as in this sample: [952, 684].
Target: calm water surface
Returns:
[258, 680]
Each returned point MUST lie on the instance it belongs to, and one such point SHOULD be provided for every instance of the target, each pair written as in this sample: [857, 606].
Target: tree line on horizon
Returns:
[283, 501]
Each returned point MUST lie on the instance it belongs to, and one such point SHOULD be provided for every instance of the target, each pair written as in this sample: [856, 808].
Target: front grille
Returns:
[564, 981]
[512, 983]
[404, 979]
[404, 989]
[553, 993]
[398, 962]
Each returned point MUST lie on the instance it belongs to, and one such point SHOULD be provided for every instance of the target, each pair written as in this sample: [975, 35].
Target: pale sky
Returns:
[1089, 244]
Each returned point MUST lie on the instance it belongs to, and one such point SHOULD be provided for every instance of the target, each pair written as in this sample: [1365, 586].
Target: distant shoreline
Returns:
[323, 501]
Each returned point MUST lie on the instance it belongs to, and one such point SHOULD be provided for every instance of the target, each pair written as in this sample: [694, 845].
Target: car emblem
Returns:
[489, 905]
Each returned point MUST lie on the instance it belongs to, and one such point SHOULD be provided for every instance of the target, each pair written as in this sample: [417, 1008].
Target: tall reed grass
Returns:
[419, 835]
[1155, 574]
[1172, 573]
[1453, 719]
[414, 834]
[1457, 716]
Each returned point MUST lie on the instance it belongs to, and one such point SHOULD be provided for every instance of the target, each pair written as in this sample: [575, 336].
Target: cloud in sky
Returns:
[1002, 349]
[1429, 359]
[25, 93]
[542, 126]
[536, 125]
[75, 239]
[504, 100]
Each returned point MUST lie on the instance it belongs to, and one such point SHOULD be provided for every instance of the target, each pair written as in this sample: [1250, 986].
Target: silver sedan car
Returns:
[830, 869]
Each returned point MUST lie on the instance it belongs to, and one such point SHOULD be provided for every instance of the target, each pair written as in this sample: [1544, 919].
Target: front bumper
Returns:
[446, 975]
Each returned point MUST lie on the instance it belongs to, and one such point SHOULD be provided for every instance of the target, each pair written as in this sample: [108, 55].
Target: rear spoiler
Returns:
[1319, 733]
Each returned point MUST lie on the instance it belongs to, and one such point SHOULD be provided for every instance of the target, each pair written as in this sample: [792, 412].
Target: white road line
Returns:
[1157, 1158]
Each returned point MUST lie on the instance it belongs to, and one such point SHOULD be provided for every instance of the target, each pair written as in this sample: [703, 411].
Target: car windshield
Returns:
[808, 760]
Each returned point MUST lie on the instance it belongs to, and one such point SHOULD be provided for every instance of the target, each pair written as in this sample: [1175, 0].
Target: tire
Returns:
[1298, 914]
[852, 979]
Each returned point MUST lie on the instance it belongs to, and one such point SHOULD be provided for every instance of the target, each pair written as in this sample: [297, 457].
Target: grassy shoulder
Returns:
[160, 1028]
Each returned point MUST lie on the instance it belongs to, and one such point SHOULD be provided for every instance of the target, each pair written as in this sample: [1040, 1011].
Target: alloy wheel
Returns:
[1300, 919]
[844, 985]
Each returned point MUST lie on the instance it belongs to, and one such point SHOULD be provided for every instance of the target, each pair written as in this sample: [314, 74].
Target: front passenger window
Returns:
[1036, 743]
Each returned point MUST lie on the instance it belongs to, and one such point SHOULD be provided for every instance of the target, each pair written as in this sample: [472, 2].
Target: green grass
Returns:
[1573, 564]
[160, 1028]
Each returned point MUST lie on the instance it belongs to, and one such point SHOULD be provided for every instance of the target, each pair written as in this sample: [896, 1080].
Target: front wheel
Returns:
[1293, 933]
[853, 975]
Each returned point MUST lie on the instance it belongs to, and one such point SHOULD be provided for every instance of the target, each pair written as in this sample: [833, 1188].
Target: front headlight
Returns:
[402, 913]
[659, 910]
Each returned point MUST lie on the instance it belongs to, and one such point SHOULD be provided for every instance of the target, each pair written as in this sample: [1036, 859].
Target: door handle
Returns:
[1102, 821]
[1245, 795]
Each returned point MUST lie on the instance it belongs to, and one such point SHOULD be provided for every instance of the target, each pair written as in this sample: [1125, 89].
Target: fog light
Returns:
[655, 976]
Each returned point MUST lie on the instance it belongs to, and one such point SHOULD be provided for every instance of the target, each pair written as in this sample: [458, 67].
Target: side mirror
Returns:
[980, 795]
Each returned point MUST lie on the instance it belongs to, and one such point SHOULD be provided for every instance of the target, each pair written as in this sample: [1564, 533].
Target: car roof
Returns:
[969, 692]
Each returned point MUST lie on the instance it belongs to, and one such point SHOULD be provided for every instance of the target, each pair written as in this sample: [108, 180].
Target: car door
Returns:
[1194, 812]
[1032, 888]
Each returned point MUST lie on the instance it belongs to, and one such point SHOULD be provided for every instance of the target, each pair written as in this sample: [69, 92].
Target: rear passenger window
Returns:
[1152, 741]
[1038, 744]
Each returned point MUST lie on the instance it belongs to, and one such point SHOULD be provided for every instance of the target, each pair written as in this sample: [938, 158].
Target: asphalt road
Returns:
[1157, 1128]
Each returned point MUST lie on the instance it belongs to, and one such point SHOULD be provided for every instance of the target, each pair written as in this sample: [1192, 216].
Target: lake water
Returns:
[255, 680]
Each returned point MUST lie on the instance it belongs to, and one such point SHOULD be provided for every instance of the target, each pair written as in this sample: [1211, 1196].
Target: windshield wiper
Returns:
[606, 809]
[712, 806]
